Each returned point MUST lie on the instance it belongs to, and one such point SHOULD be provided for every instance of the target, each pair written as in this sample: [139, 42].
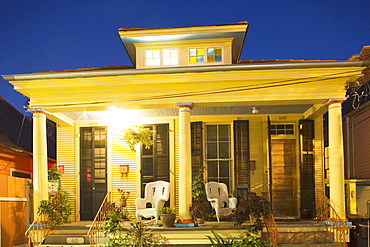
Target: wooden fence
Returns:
[15, 210]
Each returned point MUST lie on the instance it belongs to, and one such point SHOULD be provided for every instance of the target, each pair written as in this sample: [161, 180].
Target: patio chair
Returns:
[156, 194]
[217, 195]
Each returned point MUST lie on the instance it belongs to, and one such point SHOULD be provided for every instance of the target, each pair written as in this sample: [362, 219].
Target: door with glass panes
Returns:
[93, 163]
[155, 164]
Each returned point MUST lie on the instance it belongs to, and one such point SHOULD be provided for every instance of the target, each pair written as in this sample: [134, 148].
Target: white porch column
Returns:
[336, 157]
[40, 158]
[185, 182]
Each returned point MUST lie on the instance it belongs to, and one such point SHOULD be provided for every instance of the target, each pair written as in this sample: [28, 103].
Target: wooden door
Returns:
[283, 157]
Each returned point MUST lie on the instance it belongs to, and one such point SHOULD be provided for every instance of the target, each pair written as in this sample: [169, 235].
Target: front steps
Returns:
[303, 233]
[68, 236]
[295, 233]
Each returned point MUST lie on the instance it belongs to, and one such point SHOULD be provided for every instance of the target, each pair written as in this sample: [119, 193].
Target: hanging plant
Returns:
[138, 134]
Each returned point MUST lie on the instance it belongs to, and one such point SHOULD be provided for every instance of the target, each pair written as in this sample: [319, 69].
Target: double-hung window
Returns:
[218, 157]
[161, 57]
[205, 55]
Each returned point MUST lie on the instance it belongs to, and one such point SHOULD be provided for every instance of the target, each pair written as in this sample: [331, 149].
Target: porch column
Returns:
[185, 183]
[40, 158]
[336, 157]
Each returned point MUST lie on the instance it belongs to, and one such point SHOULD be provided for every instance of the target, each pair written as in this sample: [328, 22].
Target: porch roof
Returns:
[276, 88]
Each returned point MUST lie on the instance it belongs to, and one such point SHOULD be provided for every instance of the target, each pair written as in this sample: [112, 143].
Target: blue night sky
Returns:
[48, 35]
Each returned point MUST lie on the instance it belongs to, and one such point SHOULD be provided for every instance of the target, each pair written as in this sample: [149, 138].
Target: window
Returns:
[282, 129]
[20, 173]
[218, 153]
[158, 57]
[205, 55]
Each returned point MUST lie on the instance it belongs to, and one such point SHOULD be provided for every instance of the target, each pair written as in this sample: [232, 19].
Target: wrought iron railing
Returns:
[95, 232]
[272, 230]
[335, 225]
[40, 228]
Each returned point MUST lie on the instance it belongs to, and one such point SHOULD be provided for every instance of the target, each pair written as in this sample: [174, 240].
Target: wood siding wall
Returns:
[258, 152]
[10, 160]
[66, 156]
[120, 154]
[356, 136]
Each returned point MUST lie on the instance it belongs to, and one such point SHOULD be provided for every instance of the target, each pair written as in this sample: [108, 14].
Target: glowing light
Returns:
[119, 119]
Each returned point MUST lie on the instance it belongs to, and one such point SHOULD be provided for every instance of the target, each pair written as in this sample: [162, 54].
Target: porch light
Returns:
[255, 110]
[119, 119]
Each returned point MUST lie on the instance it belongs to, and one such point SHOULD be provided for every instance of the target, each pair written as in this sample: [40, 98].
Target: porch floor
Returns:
[296, 232]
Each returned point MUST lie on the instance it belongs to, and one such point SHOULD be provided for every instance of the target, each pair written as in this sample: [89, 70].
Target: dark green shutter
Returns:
[241, 154]
[306, 136]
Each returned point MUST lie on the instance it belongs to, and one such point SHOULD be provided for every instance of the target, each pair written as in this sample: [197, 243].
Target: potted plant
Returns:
[168, 216]
[252, 208]
[124, 196]
[201, 209]
[138, 134]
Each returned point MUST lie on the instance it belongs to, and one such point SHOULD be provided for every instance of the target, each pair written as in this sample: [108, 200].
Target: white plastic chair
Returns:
[218, 196]
[156, 193]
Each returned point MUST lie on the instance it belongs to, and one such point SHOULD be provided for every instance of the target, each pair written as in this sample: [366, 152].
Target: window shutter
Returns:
[241, 155]
[196, 147]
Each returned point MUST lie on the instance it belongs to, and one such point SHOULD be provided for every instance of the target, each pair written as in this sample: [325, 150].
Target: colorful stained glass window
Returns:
[214, 55]
[197, 55]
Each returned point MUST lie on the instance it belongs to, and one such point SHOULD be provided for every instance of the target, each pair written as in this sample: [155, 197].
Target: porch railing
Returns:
[335, 225]
[40, 228]
[95, 232]
[272, 230]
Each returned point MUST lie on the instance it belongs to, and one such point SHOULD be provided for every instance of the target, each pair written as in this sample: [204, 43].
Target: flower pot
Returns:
[168, 220]
[199, 221]
[123, 202]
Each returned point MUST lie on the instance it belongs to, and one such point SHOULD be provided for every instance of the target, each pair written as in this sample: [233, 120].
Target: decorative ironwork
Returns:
[95, 232]
[272, 230]
[41, 227]
[335, 225]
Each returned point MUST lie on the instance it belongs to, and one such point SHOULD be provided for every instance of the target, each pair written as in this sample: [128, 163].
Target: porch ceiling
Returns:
[201, 111]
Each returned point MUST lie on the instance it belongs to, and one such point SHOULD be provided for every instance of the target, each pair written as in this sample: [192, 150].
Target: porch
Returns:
[292, 232]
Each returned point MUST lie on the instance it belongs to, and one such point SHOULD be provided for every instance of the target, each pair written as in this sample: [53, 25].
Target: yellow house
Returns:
[255, 125]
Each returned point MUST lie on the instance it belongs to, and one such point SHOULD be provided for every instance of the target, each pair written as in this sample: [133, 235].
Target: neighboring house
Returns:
[15, 169]
[356, 127]
[254, 125]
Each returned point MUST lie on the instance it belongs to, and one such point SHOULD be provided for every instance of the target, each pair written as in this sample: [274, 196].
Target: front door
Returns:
[283, 157]
[93, 163]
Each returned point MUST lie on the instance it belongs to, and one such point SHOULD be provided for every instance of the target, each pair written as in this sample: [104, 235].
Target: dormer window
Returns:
[161, 57]
[205, 55]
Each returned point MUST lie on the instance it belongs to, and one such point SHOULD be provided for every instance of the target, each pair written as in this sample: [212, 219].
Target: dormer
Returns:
[184, 46]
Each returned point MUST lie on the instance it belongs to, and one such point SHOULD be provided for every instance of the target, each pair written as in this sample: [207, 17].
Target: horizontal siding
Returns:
[360, 145]
[66, 156]
[258, 153]
[120, 154]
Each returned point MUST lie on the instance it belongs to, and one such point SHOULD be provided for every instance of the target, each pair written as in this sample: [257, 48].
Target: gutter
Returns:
[172, 70]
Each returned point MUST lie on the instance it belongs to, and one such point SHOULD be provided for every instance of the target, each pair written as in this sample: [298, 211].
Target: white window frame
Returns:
[160, 60]
[284, 129]
[230, 159]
